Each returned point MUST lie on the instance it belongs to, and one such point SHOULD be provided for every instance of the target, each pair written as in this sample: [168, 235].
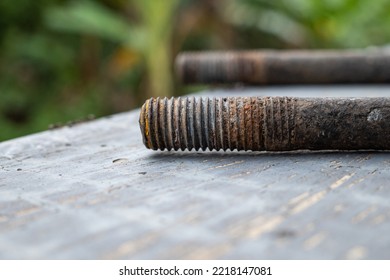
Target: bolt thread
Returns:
[242, 123]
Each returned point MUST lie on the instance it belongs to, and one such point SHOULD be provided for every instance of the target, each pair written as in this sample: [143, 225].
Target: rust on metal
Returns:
[284, 67]
[265, 123]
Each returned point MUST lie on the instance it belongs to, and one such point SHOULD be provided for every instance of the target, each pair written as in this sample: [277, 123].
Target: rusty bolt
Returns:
[266, 123]
[284, 67]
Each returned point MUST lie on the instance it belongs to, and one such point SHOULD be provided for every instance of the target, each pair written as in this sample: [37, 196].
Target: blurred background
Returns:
[63, 61]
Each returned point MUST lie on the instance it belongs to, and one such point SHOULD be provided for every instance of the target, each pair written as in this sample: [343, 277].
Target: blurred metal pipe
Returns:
[284, 67]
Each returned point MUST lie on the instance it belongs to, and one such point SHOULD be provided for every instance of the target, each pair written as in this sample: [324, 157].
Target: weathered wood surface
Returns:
[93, 191]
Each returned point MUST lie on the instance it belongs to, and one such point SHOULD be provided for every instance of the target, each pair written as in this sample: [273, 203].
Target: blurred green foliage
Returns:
[62, 60]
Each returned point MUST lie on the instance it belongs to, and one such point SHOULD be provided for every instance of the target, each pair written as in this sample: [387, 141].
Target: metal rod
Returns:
[266, 123]
[284, 67]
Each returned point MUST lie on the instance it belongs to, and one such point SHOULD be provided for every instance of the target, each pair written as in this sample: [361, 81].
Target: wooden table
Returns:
[92, 191]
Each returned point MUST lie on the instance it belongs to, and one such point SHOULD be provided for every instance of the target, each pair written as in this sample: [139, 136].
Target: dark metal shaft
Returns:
[285, 67]
[266, 123]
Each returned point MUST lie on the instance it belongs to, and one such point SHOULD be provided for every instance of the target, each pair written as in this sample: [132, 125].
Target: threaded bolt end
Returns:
[242, 123]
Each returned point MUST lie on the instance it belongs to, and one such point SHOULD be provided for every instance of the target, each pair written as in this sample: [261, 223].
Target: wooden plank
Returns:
[92, 191]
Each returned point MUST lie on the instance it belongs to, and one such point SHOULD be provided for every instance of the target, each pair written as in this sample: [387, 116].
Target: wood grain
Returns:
[92, 191]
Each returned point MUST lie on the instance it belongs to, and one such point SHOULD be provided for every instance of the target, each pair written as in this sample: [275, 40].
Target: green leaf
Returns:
[86, 17]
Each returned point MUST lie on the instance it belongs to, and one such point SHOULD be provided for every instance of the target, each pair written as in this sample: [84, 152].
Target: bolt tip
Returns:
[144, 124]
